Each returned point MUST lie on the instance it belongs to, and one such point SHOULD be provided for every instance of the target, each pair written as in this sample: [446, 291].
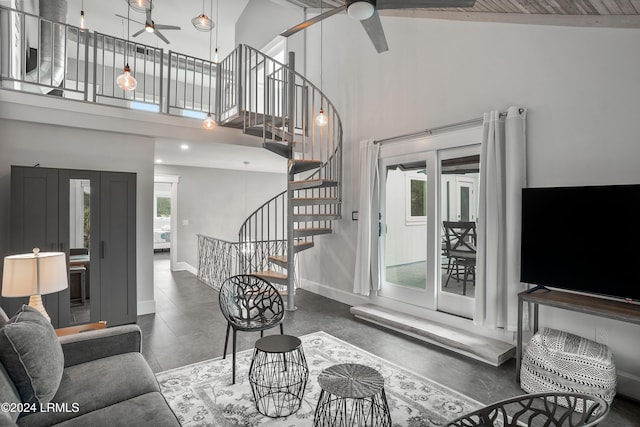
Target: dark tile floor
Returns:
[188, 327]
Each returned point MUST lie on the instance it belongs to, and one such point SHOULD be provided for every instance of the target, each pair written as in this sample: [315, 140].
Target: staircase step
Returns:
[309, 201]
[482, 348]
[272, 276]
[304, 165]
[303, 245]
[315, 217]
[274, 134]
[300, 232]
[280, 260]
[312, 183]
[279, 148]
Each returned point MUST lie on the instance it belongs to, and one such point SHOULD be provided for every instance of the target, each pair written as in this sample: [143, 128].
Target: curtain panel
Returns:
[366, 275]
[502, 178]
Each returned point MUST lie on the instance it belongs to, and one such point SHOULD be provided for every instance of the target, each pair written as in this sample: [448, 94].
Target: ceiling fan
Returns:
[152, 27]
[366, 11]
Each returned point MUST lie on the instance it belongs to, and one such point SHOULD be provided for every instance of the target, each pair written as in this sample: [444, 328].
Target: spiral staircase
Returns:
[268, 99]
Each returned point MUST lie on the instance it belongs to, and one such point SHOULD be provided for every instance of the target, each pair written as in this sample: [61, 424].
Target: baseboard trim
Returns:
[146, 307]
[183, 266]
[333, 293]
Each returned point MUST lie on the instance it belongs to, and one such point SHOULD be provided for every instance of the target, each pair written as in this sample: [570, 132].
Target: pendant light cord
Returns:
[218, 24]
[126, 51]
[321, 33]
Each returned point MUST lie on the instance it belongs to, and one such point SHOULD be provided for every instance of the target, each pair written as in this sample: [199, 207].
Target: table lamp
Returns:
[33, 275]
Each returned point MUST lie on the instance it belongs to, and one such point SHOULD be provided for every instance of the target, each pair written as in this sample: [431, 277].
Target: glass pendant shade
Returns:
[125, 80]
[203, 23]
[321, 118]
[209, 123]
[361, 10]
[139, 5]
[82, 27]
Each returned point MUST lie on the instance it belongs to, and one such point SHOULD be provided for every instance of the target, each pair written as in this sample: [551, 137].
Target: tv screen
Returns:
[582, 238]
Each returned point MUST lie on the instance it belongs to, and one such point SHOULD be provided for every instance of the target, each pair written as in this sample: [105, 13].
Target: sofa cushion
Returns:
[95, 385]
[32, 355]
[147, 410]
[3, 318]
[8, 394]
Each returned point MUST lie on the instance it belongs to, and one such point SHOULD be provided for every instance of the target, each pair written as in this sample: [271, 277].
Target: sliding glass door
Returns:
[421, 192]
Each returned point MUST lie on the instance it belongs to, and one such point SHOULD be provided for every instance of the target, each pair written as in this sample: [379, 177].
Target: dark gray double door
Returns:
[41, 217]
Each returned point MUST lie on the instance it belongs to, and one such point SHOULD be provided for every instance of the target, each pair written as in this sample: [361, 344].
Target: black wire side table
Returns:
[352, 395]
[278, 375]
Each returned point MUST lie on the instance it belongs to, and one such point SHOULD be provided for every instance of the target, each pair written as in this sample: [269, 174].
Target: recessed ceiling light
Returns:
[184, 146]
[158, 160]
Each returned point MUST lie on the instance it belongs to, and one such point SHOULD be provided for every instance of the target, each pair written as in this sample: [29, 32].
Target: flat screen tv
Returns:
[584, 239]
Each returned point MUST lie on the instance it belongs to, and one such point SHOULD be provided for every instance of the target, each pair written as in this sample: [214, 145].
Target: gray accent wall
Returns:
[28, 144]
[212, 202]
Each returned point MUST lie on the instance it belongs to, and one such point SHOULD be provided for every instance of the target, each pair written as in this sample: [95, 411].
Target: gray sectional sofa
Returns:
[95, 378]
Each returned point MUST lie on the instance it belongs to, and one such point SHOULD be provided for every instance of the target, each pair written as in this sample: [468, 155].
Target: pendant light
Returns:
[82, 26]
[321, 119]
[125, 80]
[215, 55]
[203, 22]
[140, 5]
[208, 123]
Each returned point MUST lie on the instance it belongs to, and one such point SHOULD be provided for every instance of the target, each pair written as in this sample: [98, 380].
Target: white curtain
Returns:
[366, 276]
[502, 177]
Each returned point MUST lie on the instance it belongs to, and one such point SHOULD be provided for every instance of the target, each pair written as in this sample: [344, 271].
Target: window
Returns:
[416, 197]
[163, 207]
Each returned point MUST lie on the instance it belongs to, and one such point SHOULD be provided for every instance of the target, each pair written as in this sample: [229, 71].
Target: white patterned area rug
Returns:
[202, 394]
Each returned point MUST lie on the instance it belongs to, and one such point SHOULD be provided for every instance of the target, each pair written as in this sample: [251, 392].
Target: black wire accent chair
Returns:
[554, 409]
[249, 304]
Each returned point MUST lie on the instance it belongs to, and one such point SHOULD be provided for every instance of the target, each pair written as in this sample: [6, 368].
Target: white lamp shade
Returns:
[20, 274]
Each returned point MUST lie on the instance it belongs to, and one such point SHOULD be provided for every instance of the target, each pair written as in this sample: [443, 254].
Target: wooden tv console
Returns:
[612, 309]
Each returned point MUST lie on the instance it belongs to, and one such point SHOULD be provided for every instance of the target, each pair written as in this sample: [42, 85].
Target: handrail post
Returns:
[160, 95]
[291, 263]
[168, 98]
[239, 74]
[85, 37]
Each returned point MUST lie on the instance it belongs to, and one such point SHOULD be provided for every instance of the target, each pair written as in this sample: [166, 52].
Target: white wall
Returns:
[26, 144]
[579, 85]
[213, 203]
[405, 242]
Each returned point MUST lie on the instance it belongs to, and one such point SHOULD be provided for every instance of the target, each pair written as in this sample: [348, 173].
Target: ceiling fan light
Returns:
[149, 27]
[208, 123]
[126, 81]
[361, 10]
[202, 23]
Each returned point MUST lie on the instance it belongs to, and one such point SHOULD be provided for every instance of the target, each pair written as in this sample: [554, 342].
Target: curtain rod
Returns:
[430, 131]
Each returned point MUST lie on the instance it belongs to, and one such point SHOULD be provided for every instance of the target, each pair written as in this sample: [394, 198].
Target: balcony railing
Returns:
[52, 58]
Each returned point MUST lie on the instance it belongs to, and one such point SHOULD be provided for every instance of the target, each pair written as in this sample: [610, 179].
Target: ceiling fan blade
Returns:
[161, 36]
[374, 30]
[301, 26]
[166, 27]
[422, 4]
[132, 20]
[138, 33]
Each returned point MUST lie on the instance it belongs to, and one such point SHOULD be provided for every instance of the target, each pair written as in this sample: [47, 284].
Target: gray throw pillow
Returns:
[32, 355]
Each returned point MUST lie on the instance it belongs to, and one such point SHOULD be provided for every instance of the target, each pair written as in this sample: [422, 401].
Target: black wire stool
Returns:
[278, 375]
